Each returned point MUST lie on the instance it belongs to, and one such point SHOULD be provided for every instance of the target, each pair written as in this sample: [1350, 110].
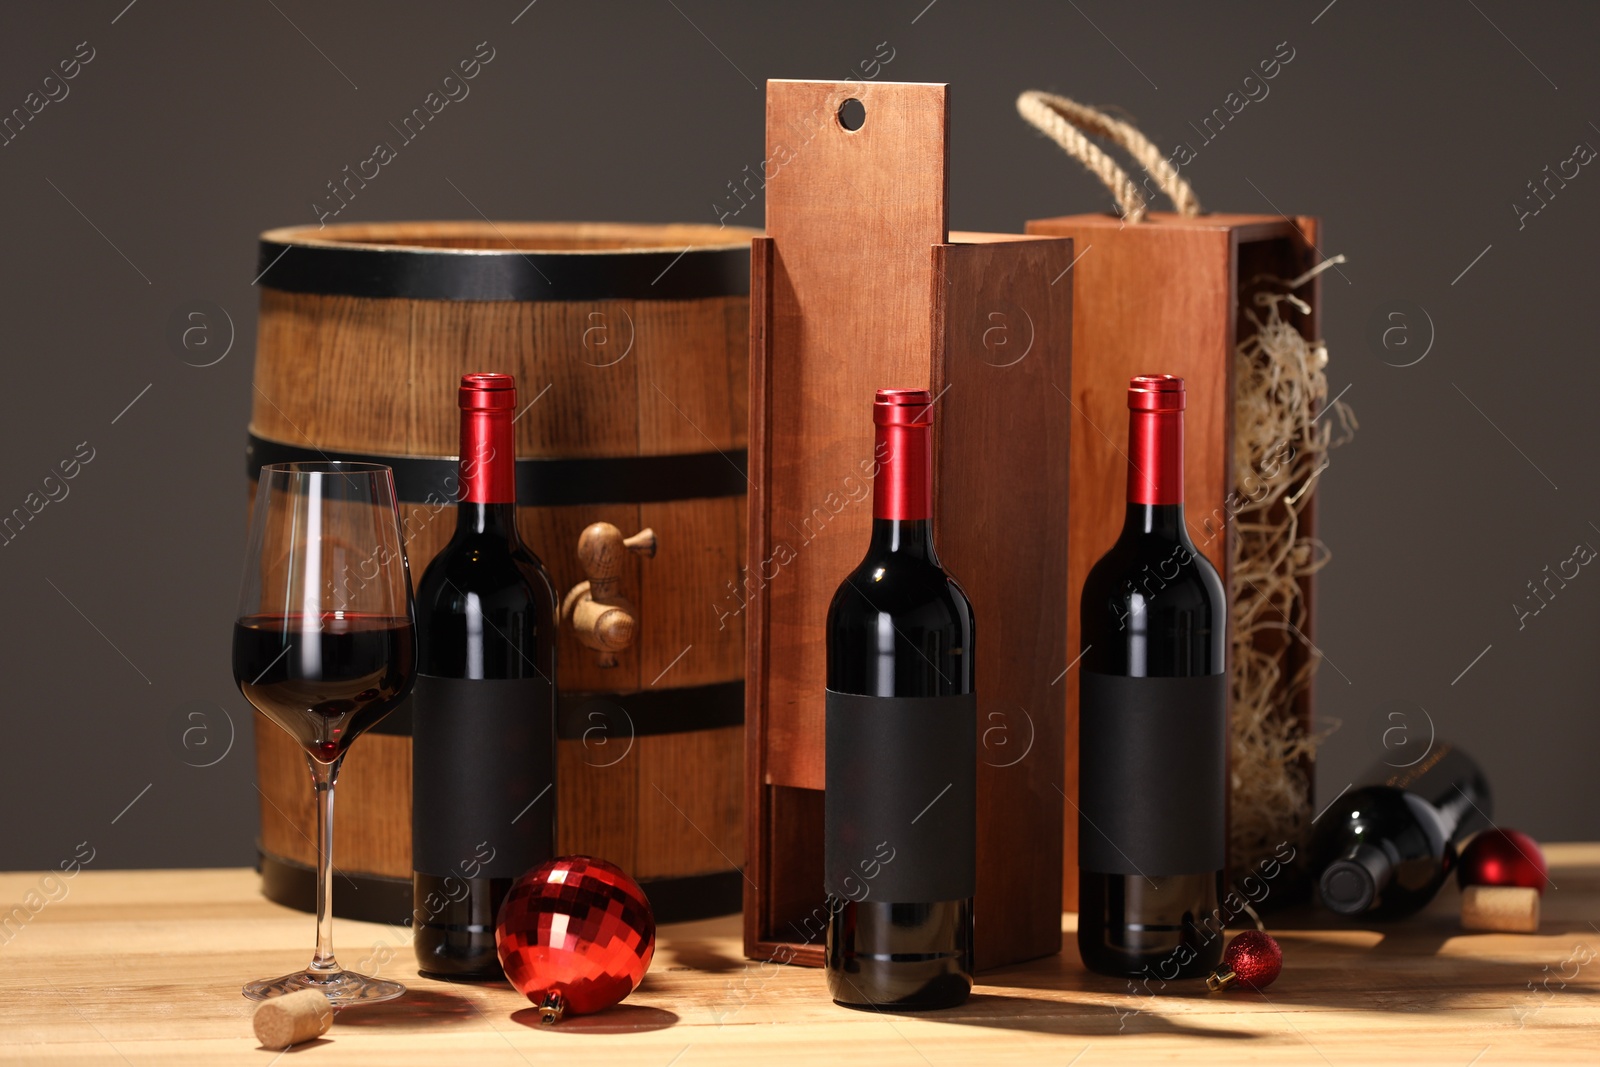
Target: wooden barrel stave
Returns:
[671, 808]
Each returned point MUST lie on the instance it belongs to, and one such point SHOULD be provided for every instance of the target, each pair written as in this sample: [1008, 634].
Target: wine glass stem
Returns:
[323, 776]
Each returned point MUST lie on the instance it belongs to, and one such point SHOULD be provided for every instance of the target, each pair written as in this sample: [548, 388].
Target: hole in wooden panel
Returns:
[852, 114]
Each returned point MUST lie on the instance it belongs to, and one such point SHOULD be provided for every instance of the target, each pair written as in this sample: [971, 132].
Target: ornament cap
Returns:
[1221, 978]
[552, 1008]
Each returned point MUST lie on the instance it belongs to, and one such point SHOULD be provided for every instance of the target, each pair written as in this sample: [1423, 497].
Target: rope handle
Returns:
[1066, 121]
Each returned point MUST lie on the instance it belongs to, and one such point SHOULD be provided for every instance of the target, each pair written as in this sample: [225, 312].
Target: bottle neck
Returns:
[488, 458]
[903, 487]
[1155, 458]
[489, 520]
[903, 537]
[902, 492]
[1356, 880]
[1163, 521]
[487, 502]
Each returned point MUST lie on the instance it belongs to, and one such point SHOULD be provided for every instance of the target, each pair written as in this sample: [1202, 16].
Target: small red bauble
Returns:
[1503, 857]
[1253, 959]
[575, 935]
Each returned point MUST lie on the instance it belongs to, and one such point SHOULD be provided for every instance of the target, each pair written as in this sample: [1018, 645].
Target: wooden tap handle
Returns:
[603, 618]
[643, 542]
[601, 549]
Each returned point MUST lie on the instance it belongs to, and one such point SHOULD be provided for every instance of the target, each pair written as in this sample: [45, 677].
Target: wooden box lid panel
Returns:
[856, 288]
[1004, 320]
[1159, 297]
[852, 215]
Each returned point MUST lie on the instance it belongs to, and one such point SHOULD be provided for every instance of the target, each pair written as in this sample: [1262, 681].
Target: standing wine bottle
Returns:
[900, 805]
[1384, 849]
[483, 711]
[1152, 722]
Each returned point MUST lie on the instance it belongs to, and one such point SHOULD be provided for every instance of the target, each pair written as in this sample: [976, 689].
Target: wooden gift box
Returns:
[1163, 296]
[858, 286]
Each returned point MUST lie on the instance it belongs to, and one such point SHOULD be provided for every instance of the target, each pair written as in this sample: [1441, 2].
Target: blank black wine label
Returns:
[901, 801]
[483, 796]
[1151, 774]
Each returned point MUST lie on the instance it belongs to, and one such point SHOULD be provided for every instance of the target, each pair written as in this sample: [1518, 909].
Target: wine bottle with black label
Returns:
[483, 711]
[1152, 722]
[1383, 849]
[901, 745]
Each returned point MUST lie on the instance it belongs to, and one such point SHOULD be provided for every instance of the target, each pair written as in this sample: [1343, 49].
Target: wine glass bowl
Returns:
[324, 680]
[324, 645]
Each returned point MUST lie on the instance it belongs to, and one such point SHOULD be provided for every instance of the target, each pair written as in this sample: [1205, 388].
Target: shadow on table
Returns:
[1042, 1016]
[293, 1049]
[705, 956]
[1423, 932]
[419, 1008]
[1403, 967]
[622, 1019]
[1404, 971]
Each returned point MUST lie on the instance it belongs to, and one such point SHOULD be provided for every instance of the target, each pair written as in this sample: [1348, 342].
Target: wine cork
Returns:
[1507, 908]
[293, 1018]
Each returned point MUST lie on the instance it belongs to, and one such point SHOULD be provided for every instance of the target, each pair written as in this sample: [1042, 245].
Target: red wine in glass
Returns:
[324, 645]
[325, 679]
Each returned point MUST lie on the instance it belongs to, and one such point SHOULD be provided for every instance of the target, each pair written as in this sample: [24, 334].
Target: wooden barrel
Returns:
[630, 347]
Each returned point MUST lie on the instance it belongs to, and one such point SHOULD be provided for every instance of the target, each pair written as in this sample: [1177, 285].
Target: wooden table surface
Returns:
[144, 967]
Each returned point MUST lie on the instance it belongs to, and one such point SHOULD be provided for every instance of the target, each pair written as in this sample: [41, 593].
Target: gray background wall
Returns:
[1412, 130]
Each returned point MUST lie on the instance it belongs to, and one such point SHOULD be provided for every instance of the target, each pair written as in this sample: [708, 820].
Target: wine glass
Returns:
[325, 646]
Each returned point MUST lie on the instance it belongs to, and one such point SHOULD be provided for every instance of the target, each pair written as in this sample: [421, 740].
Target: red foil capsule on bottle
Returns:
[903, 488]
[1155, 439]
[488, 450]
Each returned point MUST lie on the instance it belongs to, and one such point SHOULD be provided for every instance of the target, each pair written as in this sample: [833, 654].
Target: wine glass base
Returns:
[342, 988]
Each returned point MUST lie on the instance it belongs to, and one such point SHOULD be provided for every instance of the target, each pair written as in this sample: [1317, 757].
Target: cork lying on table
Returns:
[292, 1018]
[1506, 908]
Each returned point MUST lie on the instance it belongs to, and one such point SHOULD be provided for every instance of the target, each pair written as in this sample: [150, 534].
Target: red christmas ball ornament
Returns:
[1253, 959]
[575, 935]
[1503, 857]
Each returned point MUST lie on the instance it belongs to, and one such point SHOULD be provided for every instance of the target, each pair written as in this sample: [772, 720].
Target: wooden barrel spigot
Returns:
[603, 618]
[358, 356]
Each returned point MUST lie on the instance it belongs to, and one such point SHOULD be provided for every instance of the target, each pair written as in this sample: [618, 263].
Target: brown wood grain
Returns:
[855, 289]
[510, 235]
[841, 291]
[1003, 319]
[758, 789]
[697, 779]
[1157, 297]
[852, 216]
[596, 378]
[144, 968]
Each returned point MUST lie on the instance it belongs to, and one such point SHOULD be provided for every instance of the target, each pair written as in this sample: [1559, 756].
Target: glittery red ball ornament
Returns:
[1253, 959]
[1503, 857]
[575, 935]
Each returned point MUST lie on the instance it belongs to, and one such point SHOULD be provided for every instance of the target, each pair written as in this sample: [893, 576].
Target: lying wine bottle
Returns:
[1382, 850]
[483, 711]
[901, 747]
[1152, 721]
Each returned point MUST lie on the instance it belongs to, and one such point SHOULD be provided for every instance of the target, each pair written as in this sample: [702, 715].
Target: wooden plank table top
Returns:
[144, 967]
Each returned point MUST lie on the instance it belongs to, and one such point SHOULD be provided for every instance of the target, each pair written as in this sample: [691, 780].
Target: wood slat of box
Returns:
[857, 287]
[1162, 296]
